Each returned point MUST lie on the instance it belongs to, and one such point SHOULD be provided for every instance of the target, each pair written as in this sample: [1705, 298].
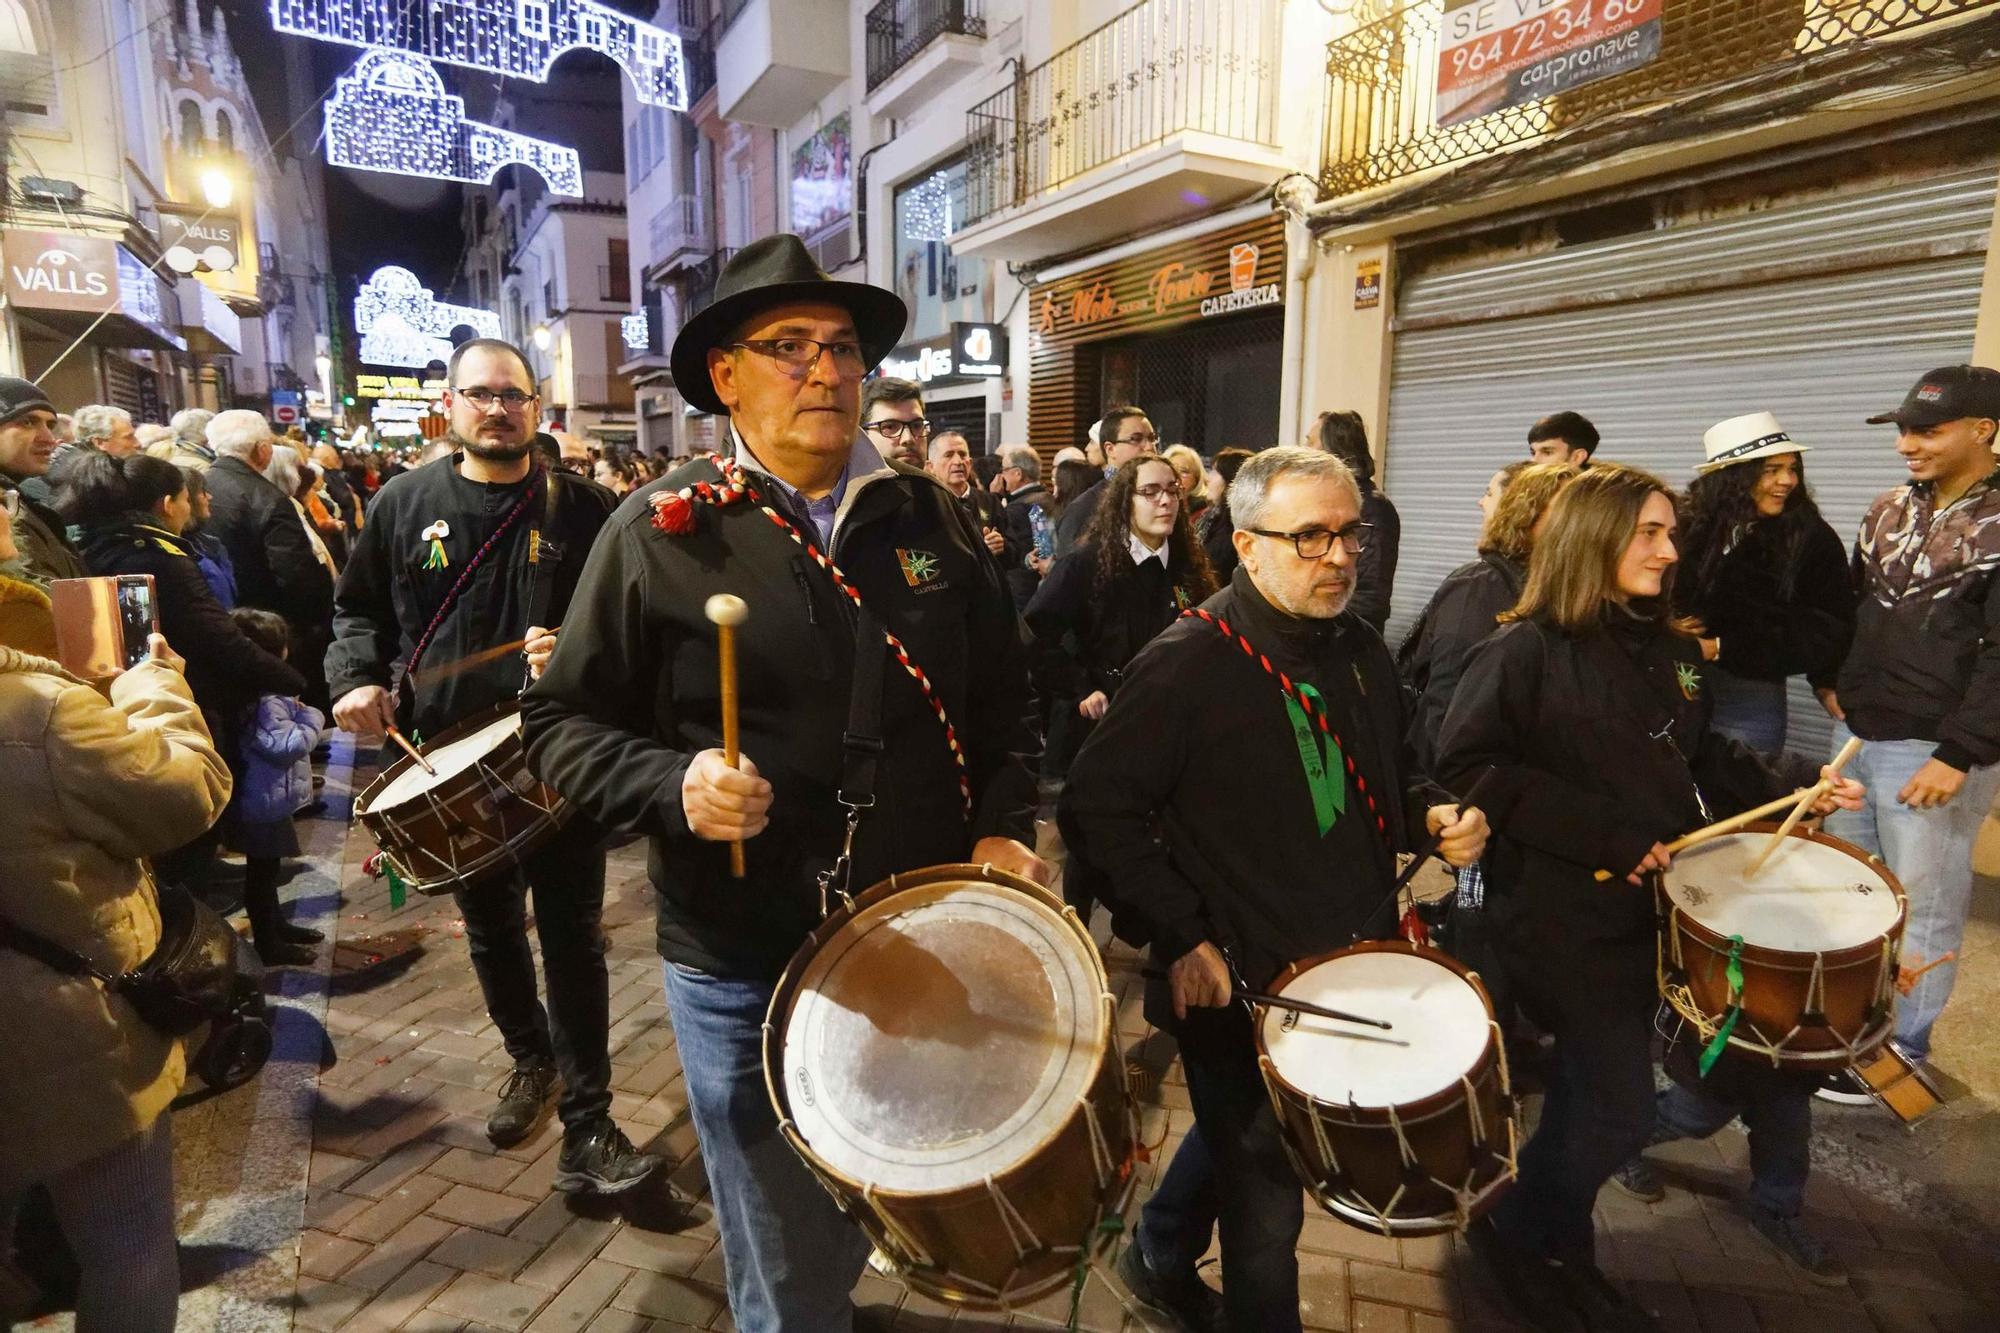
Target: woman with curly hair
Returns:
[1763, 576]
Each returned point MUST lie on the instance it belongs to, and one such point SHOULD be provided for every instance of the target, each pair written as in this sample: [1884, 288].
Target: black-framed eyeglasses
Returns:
[1143, 437]
[1314, 543]
[1153, 491]
[482, 397]
[892, 428]
[800, 355]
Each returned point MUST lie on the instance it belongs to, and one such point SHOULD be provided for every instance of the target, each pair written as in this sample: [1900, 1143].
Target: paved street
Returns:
[363, 1195]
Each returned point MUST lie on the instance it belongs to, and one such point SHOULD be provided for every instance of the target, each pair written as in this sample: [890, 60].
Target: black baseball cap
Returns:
[1949, 393]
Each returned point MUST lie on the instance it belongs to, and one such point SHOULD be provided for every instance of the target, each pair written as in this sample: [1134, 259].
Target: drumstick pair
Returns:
[726, 611]
[1286, 1002]
[1819, 789]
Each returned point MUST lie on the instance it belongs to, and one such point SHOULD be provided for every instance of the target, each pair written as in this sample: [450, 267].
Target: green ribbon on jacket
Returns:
[1324, 773]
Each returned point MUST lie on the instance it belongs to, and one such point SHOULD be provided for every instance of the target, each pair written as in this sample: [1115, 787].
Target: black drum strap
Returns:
[860, 748]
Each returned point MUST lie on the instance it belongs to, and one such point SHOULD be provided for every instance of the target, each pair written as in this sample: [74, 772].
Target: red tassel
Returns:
[673, 513]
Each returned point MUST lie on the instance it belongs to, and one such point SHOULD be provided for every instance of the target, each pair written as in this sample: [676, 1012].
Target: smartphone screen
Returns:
[137, 616]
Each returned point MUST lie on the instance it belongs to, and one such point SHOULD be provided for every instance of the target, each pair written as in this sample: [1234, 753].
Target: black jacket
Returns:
[1076, 516]
[633, 695]
[41, 535]
[226, 671]
[1083, 640]
[1925, 664]
[1375, 577]
[276, 568]
[1598, 743]
[388, 598]
[1767, 632]
[1464, 610]
[1017, 525]
[1218, 538]
[1190, 795]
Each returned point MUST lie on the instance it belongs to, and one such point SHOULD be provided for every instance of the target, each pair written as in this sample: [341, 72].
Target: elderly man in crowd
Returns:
[101, 426]
[269, 545]
[27, 444]
[190, 427]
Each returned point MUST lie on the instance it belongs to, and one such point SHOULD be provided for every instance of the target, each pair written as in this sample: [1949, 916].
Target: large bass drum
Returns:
[943, 1054]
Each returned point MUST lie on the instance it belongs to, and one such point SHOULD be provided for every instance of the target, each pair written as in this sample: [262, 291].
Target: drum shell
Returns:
[1857, 983]
[464, 828]
[1438, 1128]
[1055, 1187]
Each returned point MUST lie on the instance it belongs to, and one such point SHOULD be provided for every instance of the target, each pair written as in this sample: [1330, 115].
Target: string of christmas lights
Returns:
[402, 324]
[636, 329]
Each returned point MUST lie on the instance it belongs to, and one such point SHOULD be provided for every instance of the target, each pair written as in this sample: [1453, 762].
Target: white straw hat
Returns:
[1740, 439]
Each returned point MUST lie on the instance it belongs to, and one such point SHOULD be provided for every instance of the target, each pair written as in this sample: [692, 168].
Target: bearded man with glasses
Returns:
[478, 549]
[1237, 840]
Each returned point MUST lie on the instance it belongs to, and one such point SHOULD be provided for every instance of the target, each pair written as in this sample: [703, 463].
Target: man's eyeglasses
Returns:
[482, 397]
[1144, 437]
[892, 428]
[1314, 543]
[1157, 491]
[800, 355]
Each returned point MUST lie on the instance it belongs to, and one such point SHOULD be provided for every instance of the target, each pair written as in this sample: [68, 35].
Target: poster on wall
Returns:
[1495, 54]
[823, 180]
[939, 288]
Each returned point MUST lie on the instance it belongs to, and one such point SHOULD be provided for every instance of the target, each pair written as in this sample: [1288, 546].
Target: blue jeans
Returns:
[1779, 1119]
[1230, 1172]
[1930, 851]
[791, 1255]
[1751, 711]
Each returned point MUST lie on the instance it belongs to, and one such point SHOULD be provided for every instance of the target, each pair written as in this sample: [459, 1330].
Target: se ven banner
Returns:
[1495, 54]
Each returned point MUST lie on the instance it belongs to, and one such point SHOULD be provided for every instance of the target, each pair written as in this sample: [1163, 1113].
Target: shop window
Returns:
[936, 284]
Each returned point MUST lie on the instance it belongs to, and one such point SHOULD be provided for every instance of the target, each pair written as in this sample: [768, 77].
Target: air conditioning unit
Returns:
[43, 190]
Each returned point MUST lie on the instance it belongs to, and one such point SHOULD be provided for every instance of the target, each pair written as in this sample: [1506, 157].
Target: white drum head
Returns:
[1808, 898]
[1431, 1007]
[941, 1036]
[449, 761]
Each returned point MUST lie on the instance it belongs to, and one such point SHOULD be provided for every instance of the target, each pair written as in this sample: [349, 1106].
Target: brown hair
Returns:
[1109, 535]
[1526, 491]
[1573, 570]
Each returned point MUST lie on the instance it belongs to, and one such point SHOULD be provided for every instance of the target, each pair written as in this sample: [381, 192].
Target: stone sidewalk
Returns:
[411, 1220]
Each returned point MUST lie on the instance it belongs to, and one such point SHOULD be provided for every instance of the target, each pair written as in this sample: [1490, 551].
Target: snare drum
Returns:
[1409, 1132]
[1814, 934]
[481, 812]
[943, 1054]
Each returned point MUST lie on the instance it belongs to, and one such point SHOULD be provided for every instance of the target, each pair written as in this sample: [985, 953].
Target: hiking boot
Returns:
[1192, 1305]
[1603, 1308]
[530, 1092]
[1532, 1286]
[598, 1159]
[1638, 1179]
[1803, 1250]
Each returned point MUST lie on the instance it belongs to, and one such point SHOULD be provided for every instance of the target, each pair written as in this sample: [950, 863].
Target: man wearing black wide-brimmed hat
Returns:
[626, 721]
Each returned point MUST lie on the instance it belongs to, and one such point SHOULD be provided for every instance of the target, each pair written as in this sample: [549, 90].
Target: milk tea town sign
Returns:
[1175, 289]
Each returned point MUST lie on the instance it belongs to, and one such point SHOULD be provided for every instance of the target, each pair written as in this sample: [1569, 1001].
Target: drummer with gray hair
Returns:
[1240, 840]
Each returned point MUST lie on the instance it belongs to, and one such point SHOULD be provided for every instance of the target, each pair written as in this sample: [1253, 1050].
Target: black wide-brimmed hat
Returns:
[770, 272]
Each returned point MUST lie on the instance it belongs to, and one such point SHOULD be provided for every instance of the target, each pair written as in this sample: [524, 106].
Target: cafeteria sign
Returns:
[1495, 54]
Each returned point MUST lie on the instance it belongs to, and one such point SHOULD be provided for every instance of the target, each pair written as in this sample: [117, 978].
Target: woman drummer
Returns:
[1589, 704]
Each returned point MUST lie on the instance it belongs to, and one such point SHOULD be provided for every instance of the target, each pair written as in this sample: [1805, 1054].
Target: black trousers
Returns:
[567, 878]
[1598, 1111]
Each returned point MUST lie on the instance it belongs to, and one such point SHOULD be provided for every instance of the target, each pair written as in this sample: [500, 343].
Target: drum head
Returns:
[1810, 897]
[1438, 1012]
[449, 759]
[941, 1035]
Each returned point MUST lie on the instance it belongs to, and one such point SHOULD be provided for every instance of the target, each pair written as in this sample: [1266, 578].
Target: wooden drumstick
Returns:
[411, 750]
[726, 611]
[1717, 829]
[1821, 788]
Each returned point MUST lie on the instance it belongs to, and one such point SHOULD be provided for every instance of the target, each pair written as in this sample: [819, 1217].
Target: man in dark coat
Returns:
[1233, 855]
[27, 444]
[468, 553]
[1028, 504]
[626, 724]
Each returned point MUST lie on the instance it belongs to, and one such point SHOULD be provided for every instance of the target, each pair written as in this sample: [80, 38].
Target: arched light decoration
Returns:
[927, 211]
[637, 331]
[391, 113]
[518, 38]
[402, 324]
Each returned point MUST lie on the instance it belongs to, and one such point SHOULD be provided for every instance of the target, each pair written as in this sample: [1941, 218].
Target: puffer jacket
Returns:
[93, 788]
[278, 742]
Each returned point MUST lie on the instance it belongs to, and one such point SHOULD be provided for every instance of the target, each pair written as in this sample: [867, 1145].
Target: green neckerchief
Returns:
[1324, 768]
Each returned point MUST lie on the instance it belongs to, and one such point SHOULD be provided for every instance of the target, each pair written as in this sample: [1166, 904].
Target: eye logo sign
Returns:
[919, 567]
[58, 272]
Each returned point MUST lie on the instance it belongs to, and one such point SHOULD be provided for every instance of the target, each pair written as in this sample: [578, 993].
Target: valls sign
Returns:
[50, 270]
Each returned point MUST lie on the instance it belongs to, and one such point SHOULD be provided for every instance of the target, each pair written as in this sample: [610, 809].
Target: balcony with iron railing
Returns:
[899, 30]
[1171, 100]
[1382, 110]
[680, 235]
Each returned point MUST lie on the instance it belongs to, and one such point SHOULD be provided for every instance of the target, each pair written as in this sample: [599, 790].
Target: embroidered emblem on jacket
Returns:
[919, 567]
[1689, 680]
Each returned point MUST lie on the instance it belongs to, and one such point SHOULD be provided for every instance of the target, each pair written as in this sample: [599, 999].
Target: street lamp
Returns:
[216, 187]
[541, 337]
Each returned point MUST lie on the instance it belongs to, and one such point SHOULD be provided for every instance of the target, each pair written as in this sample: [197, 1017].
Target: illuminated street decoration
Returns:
[390, 113]
[518, 38]
[402, 324]
[637, 331]
[927, 212]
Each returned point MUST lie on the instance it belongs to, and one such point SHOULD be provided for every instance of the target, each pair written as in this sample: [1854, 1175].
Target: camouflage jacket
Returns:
[1925, 664]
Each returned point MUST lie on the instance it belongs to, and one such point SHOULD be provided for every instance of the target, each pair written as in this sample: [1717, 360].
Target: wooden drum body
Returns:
[1405, 1139]
[943, 1054]
[1814, 934]
[482, 812]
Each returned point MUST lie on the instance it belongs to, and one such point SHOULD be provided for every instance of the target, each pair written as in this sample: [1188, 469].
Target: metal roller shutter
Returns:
[1475, 363]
